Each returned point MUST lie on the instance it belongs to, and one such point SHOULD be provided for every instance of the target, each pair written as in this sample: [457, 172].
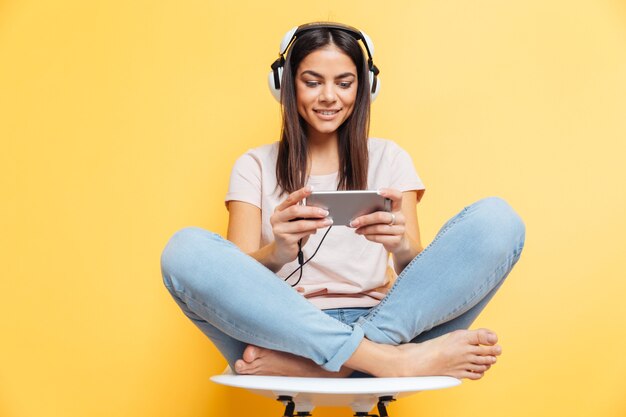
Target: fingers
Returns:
[392, 218]
[295, 197]
[394, 195]
[381, 230]
[301, 228]
[382, 227]
[290, 210]
[292, 221]
[300, 212]
[388, 241]
[381, 218]
[309, 219]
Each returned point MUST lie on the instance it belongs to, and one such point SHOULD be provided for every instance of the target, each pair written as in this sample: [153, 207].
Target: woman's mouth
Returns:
[326, 114]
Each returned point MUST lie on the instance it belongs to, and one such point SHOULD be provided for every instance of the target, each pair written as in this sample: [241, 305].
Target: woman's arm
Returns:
[290, 222]
[244, 230]
[401, 237]
[402, 257]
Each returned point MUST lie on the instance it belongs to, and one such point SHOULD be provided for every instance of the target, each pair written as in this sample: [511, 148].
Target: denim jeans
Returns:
[236, 301]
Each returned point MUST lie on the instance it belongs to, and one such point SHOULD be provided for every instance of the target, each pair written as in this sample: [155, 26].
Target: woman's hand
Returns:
[293, 221]
[387, 228]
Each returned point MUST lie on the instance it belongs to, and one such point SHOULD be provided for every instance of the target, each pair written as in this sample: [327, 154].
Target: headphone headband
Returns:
[294, 32]
[275, 77]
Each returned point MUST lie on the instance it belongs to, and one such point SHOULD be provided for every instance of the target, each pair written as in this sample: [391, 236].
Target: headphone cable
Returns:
[301, 260]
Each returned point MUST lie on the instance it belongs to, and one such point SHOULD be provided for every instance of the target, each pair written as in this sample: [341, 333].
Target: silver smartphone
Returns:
[344, 206]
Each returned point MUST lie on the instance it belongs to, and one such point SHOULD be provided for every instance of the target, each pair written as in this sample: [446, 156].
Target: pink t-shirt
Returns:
[348, 270]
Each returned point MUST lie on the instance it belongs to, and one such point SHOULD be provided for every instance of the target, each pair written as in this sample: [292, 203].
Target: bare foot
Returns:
[260, 361]
[461, 354]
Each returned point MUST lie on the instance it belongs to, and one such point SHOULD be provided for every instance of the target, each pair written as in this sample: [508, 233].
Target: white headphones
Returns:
[276, 75]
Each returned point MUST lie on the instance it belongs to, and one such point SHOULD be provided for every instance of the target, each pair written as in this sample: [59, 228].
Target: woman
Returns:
[348, 312]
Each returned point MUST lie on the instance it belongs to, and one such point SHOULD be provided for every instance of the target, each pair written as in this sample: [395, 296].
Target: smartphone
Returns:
[344, 206]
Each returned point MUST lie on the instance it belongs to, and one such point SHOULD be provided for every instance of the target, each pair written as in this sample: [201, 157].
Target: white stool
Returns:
[302, 395]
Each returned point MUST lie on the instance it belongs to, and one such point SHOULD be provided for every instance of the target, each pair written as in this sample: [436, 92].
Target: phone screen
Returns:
[344, 206]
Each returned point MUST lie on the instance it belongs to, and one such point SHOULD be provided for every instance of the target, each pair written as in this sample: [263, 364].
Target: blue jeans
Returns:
[236, 301]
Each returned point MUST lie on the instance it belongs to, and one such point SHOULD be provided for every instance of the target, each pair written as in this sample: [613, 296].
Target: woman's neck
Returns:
[323, 153]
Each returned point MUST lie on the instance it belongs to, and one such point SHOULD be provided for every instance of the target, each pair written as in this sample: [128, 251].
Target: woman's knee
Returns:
[182, 252]
[500, 223]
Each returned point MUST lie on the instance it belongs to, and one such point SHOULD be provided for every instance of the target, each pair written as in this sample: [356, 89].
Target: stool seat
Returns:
[360, 394]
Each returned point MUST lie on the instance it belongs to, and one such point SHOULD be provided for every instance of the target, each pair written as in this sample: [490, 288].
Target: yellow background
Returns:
[120, 120]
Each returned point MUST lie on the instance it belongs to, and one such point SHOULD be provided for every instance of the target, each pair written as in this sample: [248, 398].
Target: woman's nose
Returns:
[328, 93]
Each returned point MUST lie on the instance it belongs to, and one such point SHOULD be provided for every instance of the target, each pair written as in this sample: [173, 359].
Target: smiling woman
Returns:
[323, 57]
[325, 91]
[396, 309]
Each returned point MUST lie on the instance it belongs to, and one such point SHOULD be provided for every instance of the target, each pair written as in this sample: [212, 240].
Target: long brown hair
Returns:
[291, 166]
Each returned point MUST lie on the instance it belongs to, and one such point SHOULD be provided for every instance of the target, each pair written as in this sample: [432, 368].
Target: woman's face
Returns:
[326, 86]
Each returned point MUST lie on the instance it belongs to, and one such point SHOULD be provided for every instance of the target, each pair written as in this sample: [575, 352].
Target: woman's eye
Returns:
[345, 84]
[311, 83]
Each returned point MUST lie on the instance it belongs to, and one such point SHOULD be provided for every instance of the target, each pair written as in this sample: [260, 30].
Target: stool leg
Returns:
[382, 405]
[290, 406]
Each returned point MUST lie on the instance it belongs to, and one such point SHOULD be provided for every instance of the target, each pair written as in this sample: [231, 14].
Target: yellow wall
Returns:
[119, 122]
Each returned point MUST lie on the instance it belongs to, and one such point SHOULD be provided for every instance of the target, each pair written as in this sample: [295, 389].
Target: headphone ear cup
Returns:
[374, 90]
[270, 80]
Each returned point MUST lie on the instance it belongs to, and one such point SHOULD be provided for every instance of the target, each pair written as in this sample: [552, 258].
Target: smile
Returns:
[327, 112]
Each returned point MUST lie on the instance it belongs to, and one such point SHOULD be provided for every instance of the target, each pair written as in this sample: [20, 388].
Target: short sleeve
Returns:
[404, 177]
[245, 181]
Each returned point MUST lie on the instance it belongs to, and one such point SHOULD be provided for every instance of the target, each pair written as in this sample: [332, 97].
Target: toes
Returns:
[471, 375]
[486, 350]
[243, 368]
[485, 337]
[480, 369]
[495, 350]
[251, 352]
[483, 360]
